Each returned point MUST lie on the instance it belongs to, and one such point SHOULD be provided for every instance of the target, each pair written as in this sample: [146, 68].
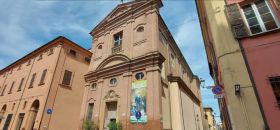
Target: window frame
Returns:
[272, 82]
[43, 77]
[119, 40]
[259, 19]
[93, 88]
[31, 84]
[115, 84]
[11, 88]
[70, 80]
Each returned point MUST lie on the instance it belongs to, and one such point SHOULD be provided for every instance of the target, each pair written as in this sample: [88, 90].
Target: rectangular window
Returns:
[72, 52]
[87, 59]
[20, 85]
[67, 77]
[275, 83]
[12, 86]
[259, 17]
[90, 111]
[117, 42]
[42, 80]
[118, 39]
[20, 120]
[3, 91]
[32, 80]
[8, 121]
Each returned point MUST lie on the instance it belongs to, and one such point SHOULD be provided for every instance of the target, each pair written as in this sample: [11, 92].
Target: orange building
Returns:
[44, 89]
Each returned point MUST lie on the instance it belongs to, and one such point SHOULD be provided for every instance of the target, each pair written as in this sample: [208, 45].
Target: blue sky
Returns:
[27, 24]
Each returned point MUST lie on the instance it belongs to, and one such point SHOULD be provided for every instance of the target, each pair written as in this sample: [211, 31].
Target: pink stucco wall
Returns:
[262, 53]
[263, 63]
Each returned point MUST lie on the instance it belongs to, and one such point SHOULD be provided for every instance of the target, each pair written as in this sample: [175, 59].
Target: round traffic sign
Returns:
[217, 90]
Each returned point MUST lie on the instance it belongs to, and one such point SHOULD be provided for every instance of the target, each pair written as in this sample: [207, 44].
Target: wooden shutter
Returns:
[3, 91]
[32, 80]
[67, 77]
[42, 80]
[11, 89]
[20, 85]
[236, 21]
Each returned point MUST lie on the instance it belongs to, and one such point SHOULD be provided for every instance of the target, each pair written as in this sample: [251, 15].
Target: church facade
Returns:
[138, 76]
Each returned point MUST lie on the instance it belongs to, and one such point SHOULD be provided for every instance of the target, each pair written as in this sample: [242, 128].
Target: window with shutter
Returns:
[42, 80]
[67, 77]
[32, 80]
[236, 21]
[259, 17]
[20, 85]
[11, 88]
[3, 91]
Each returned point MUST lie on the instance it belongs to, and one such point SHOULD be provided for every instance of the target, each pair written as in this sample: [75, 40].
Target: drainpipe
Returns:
[266, 127]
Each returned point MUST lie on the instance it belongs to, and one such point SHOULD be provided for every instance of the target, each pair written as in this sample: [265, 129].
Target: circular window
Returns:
[139, 75]
[113, 81]
[140, 29]
[93, 86]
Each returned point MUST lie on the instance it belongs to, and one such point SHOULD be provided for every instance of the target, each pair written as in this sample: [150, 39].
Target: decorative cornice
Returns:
[150, 60]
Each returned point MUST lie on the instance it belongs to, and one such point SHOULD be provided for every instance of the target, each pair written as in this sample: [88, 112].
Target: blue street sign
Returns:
[49, 111]
[138, 115]
[217, 90]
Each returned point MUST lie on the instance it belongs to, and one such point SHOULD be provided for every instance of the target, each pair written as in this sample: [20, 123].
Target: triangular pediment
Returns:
[120, 9]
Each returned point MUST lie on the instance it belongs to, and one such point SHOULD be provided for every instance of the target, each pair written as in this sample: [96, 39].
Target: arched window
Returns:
[32, 115]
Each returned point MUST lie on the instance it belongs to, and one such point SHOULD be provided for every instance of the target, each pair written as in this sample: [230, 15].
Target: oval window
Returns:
[140, 29]
[139, 75]
[100, 47]
[113, 81]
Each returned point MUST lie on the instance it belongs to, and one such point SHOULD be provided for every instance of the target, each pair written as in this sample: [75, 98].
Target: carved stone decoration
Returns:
[139, 42]
[111, 95]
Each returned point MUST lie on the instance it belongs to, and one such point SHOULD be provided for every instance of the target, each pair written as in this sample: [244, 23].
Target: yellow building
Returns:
[227, 67]
[210, 118]
[44, 89]
[138, 69]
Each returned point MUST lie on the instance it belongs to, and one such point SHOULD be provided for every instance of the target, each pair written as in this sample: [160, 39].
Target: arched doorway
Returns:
[2, 112]
[32, 115]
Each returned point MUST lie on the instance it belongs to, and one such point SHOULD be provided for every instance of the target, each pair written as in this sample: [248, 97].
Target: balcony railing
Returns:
[116, 49]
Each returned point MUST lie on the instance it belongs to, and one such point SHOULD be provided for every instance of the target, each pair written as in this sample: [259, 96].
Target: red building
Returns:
[255, 24]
